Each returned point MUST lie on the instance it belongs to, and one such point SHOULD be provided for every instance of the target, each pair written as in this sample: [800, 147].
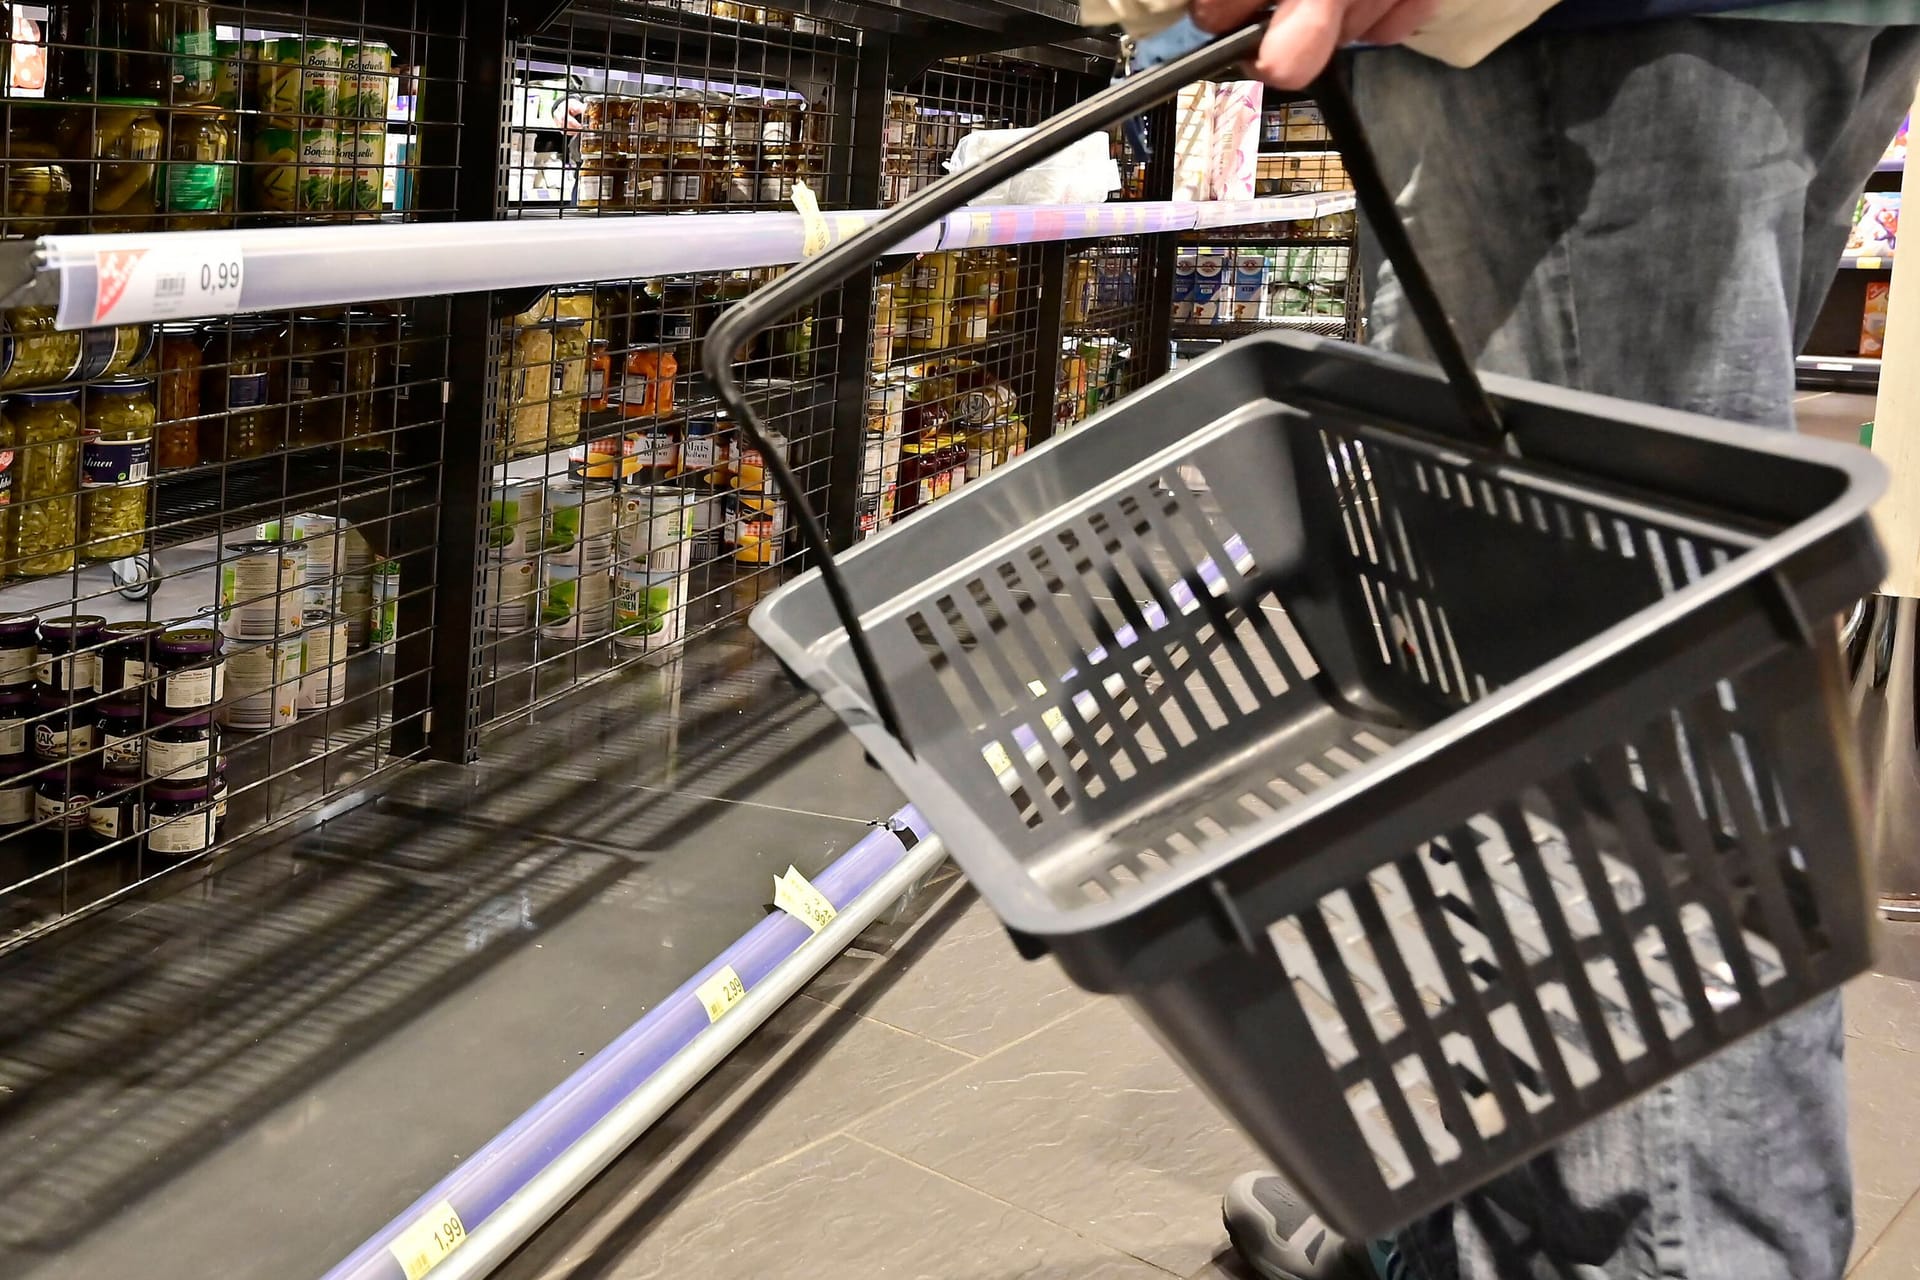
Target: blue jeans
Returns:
[1654, 212]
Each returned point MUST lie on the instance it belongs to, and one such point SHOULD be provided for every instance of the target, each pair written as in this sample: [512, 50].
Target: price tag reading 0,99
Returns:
[203, 275]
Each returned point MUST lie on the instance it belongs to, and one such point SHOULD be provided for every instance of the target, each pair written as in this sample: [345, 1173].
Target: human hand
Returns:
[1303, 34]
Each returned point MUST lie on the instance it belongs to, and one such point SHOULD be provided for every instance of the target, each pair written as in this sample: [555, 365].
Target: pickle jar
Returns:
[176, 438]
[46, 493]
[37, 354]
[126, 143]
[236, 385]
[39, 197]
[370, 343]
[116, 462]
[197, 190]
[313, 363]
[194, 77]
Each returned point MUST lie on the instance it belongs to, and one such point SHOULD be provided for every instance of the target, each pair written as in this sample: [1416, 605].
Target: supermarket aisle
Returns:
[246, 1079]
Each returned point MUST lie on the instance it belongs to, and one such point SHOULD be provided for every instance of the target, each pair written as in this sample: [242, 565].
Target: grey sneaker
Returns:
[1281, 1239]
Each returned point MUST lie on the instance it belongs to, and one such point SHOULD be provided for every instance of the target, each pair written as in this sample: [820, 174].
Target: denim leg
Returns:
[1651, 212]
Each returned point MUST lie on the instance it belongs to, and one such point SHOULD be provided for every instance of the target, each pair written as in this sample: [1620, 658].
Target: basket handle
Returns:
[1126, 97]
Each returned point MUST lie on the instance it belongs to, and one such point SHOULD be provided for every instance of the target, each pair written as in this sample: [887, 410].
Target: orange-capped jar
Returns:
[647, 391]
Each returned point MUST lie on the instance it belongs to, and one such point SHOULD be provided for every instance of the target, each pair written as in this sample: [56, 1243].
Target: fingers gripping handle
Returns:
[1125, 98]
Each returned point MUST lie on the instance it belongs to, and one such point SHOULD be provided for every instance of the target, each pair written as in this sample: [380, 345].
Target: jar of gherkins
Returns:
[116, 463]
[35, 353]
[125, 140]
[371, 344]
[313, 404]
[47, 496]
[235, 382]
[201, 168]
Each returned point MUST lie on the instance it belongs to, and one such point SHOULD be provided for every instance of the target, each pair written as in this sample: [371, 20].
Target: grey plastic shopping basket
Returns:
[1433, 764]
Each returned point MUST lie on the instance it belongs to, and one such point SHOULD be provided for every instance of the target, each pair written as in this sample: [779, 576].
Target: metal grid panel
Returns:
[1107, 324]
[625, 107]
[147, 463]
[952, 99]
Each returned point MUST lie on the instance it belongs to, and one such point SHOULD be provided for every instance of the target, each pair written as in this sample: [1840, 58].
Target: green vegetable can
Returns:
[299, 78]
[317, 175]
[366, 68]
[276, 163]
[362, 153]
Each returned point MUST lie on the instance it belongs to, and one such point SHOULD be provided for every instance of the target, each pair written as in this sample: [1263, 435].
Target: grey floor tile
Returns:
[842, 1209]
[1223, 1266]
[1880, 1099]
[1897, 1256]
[1884, 1009]
[1089, 1124]
[971, 991]
[1834, 415]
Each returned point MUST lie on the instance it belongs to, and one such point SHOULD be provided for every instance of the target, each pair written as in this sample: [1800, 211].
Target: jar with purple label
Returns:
[69, 657]
[184, 748]
[19, 649]
[113, 812]
[191, 674]
[126, 663]
[16, 719]
[17, 783]
[61, 800]
[64, 728]
[180, 817]
[123, 743]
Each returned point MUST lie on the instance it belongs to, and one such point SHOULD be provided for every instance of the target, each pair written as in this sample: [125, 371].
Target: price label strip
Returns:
[721, 992]
[816, 235]
[426, 1244]
[796, 896]
[160, 281]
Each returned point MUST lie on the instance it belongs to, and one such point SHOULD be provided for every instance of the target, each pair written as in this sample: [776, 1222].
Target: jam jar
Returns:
[16, 717]
[63, 728]
[69, 656]
[17, 783]
[180, 817]
[192, 675]
[184, 748]
[19, 649]
[126, 663]
[113, 812]
[61, 800]
[123, 748]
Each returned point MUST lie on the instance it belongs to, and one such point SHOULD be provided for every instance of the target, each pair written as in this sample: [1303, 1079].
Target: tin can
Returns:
[512, 589]
[763, 530]
[516, 526]
[365, 70]
[709, 527]
[276, 168]
[323, 661]
[647, 608]
[656, 528]
[362, 155]
[316, 177]
[575, 604]
[299, 77]
[384, 621]
[233, 74]
[356, 605]
[263, 590]
[579, 513]
[263, 685]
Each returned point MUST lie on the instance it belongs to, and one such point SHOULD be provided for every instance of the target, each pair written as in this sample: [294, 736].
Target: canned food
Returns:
[575, 605]
[263, 589]
[323, 661]
[511, 590]
[365, 70]
[656, 528]
[263, 684]
[356, 605]
[579, 513]
[319, 538]
[517, 520]
[299, 77]
[384, 620]
[316, 176]
[647, 612]
[763, 530]
[362, 155]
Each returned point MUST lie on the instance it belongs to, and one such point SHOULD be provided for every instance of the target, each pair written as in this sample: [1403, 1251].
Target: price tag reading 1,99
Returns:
[201, 275]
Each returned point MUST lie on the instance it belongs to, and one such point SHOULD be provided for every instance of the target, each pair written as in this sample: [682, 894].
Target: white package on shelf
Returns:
[1082, 174]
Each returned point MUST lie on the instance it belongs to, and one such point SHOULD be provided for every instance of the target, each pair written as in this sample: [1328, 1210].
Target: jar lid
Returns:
[192, 642]
[177, 791]
[18, 696]
[112, 708]
[61, 781]
[184, 720]
[15, 622]
[62, 699]
[52, 395]
[122, 386]
[18, 766]
[126, 632]
[182, 328]
[72, 625]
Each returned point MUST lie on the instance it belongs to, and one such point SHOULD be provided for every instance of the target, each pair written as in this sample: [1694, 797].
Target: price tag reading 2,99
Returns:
[201, 275]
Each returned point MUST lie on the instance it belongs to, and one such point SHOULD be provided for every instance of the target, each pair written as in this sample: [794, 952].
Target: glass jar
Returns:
[124, 140]
[184, 748]
[38, 198]
[36, 353]
[16, 715]
[646, 391]
[734, 181]
[61, 801]
[113, 812]
[192, 673]
[176, 438]
[19, 649]
[193, 71]
[136, 38]
[197, 191]
[67, 660]
[313, 403]
[180, 818]
[126, 661]
[123, 746]
[370, 344]
[903, 131]
[647, 181]
[239, 362]
[17, 791]
[46, 492]
[64, 728]
[599, 392]
[779, 170]
[116, 463]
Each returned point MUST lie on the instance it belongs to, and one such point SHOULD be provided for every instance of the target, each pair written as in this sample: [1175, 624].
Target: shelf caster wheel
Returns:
[135, 577]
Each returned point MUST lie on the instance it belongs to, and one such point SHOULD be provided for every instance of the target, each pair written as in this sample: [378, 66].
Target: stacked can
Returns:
[576, 583]
[356, 585]
[706, 462]
[263, 594]
[516, 534]
[296, 149]
[655, 544]
[365, 71]
[880, 467]
[760, 534]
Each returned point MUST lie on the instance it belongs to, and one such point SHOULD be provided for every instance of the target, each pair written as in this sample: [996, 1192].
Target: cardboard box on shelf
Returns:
[1873, 319]
[1249, 285]
[1183, 269]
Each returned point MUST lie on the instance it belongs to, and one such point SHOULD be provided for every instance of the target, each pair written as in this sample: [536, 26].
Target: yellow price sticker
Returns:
[721, 992]
[426, 1244]
[815, 234]
[796, 896]
[848, 225]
